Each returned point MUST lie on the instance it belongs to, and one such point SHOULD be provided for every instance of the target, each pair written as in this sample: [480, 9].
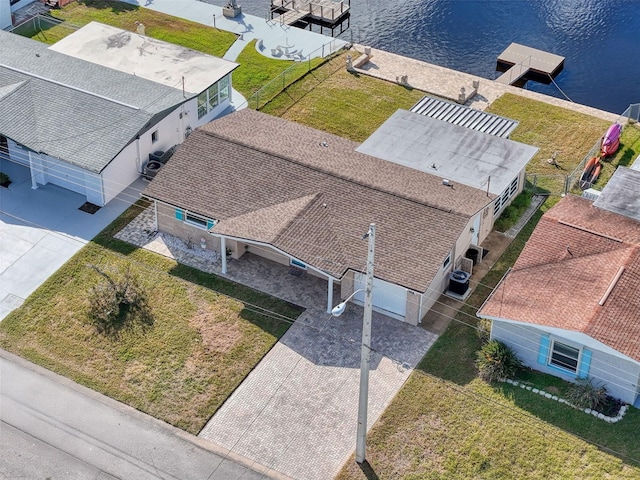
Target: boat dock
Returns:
[521, 60]
[326, 13]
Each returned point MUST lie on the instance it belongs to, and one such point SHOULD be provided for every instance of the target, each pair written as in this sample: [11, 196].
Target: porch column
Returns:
[223, 253]
[34, 182]
[330, 294]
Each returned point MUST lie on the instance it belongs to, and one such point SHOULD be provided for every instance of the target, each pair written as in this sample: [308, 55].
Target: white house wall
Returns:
[16, 153]
[617, 372]
[438, 286]
[121, 172]
[5, 14]
[46, 169]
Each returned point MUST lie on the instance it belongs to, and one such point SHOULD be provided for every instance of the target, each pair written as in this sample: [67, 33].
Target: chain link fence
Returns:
[324, 56]
[39, 24]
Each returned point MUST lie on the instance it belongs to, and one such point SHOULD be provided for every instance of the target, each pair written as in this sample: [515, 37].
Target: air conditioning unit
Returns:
[151, 169]
[156, 156]
[459, 282]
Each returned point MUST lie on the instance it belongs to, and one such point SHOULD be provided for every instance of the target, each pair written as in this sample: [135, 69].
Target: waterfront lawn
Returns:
[201, 344]
[445, 423]
[551, 129]
[346, 104]
[257, 71]
[124, 15]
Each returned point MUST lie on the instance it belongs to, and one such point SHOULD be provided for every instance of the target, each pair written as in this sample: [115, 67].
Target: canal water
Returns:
[599, 38]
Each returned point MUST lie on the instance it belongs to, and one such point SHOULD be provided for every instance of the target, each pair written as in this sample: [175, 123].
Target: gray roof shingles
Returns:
[267, 179]
[71, 109]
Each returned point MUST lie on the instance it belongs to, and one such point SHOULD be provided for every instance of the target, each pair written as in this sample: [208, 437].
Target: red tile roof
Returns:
[577, 257]
[273, 181]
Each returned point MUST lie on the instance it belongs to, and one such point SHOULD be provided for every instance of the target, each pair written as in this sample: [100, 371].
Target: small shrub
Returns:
[118, 302]
[495, 360]
[484, 329]
[585, 393]
[510, 216]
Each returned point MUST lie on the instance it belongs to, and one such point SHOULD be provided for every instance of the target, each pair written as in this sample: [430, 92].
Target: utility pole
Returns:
[365, 354]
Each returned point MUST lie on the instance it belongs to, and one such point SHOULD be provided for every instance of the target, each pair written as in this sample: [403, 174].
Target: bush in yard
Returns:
[118, 302]
[585, 393]
[4, 179]
[495, 360]
[484, 329]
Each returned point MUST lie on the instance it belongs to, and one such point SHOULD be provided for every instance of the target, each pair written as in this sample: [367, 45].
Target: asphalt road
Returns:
[52, 428]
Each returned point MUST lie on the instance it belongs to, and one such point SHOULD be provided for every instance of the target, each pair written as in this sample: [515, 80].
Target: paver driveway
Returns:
[297, 411]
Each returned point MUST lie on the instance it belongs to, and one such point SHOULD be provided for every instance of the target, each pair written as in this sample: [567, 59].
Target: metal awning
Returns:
[465, 117]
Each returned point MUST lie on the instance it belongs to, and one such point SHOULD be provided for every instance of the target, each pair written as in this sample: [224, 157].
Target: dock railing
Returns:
[297, 70]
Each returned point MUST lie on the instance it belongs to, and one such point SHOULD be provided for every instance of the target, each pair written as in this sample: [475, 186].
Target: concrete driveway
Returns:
[41, 229]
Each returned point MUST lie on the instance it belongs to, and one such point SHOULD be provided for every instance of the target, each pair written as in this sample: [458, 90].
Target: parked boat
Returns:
[611, 140]
[590, 173]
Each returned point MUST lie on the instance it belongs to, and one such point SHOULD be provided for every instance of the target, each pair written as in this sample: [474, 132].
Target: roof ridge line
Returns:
[577, 227]
[317, 169]
[77, 89]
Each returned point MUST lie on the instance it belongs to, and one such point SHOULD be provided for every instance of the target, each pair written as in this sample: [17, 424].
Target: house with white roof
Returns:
[460, 146]
[86, 113]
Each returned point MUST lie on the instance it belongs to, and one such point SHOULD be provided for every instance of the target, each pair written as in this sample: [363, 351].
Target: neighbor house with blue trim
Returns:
[570, 306]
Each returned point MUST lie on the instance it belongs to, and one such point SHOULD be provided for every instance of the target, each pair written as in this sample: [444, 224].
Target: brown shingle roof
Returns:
[572, 258]
[270, 180]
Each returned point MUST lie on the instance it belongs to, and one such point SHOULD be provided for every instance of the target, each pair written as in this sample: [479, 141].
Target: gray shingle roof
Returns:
[268, 179]
[73, 110]
[622, 193]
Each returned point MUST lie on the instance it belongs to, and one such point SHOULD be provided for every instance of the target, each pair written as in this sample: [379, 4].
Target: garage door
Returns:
[387, 297]
[65, 175]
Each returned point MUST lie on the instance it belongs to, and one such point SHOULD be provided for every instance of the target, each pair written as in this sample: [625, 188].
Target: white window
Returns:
[212, 92]
[202, 104]
[154, 137]
[564, 356]
[447, 261]
[224, 88]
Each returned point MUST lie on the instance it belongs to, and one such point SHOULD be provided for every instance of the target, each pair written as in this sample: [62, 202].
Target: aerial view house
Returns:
[570, 306]
[459, 144]
[258, 184]
[87, 113]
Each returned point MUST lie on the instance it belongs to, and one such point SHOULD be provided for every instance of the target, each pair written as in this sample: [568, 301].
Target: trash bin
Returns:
[472, 254]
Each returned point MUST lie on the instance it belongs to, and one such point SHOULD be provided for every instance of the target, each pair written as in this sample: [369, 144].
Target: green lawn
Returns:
[201, 345]
[124, 15]
[345, 104]
[571, 134]
[445, 423]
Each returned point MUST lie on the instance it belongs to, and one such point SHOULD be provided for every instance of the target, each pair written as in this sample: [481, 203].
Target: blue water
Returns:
[599, 38]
